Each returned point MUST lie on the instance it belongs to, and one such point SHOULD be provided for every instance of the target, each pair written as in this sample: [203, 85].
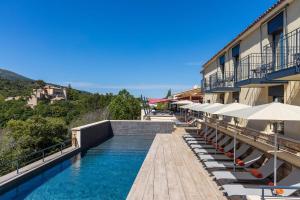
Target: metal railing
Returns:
[285, 52]
[273, 188]
[255, 65]
[15, 164]
[281, 54]
[285, 144]
[219, 80]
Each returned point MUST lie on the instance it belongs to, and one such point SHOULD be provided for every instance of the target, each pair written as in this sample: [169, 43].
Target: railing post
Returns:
[17, 166]
[297, 38]
[262, 193]
[248, 66]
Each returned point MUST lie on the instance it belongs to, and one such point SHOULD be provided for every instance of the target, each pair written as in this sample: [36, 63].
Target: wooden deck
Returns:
[172, 171]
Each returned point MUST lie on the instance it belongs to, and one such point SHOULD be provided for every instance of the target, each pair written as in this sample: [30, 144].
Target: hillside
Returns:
[12, 76]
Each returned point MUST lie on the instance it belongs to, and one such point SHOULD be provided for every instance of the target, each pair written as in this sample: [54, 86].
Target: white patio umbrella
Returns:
[228, 108]
[274, 113]
[208, 109]
[197, 108]
[182, 102]
[187, 107]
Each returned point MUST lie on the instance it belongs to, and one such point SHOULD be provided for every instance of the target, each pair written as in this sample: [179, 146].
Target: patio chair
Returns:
[254, 156]
[219, 158]
[221, 142]
[259, 174]
[216, 150]
[292, 180]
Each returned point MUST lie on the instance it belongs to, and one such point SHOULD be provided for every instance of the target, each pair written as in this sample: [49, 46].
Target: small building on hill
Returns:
[48, 92]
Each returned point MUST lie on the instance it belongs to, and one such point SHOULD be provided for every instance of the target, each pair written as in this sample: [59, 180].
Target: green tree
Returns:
[169, 93]
[124, 106]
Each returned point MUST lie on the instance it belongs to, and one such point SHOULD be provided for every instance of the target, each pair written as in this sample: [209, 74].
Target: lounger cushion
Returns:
[229, 154]
[256, 173]
[240, 162]
[221, 149]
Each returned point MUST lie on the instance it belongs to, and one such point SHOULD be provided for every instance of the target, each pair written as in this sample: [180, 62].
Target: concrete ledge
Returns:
[92, 134]
[11, 180]
[137, 127]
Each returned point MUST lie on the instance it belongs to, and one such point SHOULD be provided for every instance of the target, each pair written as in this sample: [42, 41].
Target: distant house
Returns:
[13, 98]
[194, 95]
[48, 92]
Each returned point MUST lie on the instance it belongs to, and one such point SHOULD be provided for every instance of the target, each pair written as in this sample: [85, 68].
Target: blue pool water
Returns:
[103, 172]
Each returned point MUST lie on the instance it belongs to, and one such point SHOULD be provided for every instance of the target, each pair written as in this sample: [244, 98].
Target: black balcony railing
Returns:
[255, 65]
[218, 81]
[276, 56]
[285, 52]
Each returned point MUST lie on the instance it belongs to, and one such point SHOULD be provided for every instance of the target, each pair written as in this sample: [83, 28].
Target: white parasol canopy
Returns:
[197, 107]
[182, 102]
[188, 106]
[273, 112]
[209, 106]
[228, 108]
[219, 110]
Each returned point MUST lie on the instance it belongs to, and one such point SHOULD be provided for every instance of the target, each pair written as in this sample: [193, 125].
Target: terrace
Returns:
[220, 82]
[279, 63]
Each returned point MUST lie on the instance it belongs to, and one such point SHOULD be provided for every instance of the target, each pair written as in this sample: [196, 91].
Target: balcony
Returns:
[279, 63]
[220, 82]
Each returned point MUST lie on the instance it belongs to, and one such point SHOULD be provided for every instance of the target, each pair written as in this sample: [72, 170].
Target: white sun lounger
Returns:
[219, 158]
[200, 140]
[202, 134]
[249, 160]
[210, 151]
[223, 141]
[266, 170]
[293, 179]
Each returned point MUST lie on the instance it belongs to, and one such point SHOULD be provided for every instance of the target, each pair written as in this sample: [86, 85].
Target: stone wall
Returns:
[96, 133]
[136, 127]
[92, 134]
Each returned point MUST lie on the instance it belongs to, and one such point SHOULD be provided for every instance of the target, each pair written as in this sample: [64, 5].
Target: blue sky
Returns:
[146, 46]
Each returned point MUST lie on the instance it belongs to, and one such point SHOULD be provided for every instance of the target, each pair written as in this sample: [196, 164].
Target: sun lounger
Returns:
[254, 156]
[200, 145]
[220, 158]
[199, 138]
[262, 173]
[293, 179]
[227, 148]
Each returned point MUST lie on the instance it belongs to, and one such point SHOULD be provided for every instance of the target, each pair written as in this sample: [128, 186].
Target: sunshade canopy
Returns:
[183, 102]
[188, 106]
[197, 107]
[270, 112]
[203, 109]
[228, 108]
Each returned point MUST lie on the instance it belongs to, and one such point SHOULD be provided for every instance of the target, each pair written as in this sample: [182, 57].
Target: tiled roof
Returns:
[279, 2]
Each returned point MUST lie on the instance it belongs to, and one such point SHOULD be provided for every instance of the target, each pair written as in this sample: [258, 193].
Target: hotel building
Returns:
[260, 65]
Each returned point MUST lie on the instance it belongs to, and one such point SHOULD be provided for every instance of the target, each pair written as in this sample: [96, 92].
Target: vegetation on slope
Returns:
[27, 130]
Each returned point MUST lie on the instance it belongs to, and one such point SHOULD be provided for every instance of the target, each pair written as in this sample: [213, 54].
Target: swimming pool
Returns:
[104, 172]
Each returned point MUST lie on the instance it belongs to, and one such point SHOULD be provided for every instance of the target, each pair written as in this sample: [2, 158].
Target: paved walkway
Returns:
[172, 171]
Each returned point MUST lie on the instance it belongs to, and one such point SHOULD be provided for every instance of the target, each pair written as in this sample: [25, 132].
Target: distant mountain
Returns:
[12, 76]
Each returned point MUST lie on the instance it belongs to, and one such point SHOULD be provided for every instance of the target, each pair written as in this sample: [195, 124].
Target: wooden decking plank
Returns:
[140, 184]
[160, 177]
[172, 171]
[175, 187]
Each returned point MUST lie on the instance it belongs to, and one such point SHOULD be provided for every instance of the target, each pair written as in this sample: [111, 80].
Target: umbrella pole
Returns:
[275, 154]
[234, 149]
[205, 130]
[234, 144]
[216, 136]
